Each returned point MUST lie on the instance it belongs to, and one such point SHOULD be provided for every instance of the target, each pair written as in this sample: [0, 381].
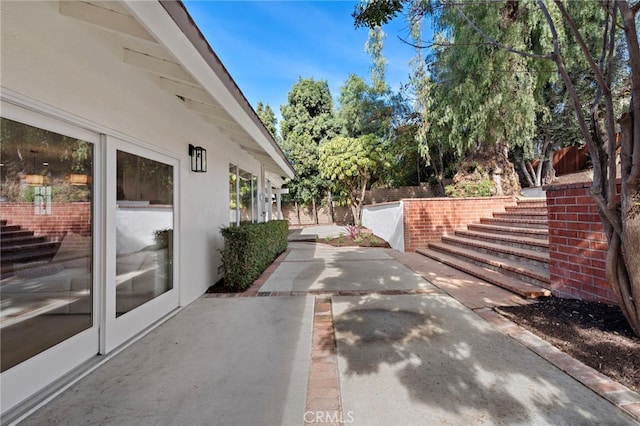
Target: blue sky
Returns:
[267, 45]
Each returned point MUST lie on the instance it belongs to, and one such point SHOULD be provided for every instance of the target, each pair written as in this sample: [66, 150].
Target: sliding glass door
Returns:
[140, 278]
[48, 281]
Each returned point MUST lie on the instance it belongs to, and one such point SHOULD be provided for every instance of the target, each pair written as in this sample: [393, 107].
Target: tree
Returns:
[308, 120]
[268, 118]
[475, 99]
[349, 163]
[567, 25]
[362, 109]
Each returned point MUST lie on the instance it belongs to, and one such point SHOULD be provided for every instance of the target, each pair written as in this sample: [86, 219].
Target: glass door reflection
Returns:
[144, 230]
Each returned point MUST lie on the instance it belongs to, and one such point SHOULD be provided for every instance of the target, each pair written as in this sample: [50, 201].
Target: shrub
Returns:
[352, 231]
[250, 248]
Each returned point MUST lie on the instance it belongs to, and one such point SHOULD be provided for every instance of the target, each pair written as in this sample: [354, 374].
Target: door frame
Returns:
[32, 375]
[119, 330]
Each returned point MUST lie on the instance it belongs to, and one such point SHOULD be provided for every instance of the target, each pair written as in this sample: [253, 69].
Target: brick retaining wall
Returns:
[73, 217]
[577, 244]
[427, 219]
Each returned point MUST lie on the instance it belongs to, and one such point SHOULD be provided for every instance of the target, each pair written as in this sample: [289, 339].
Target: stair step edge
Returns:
[506, 238]
[494, 261]
[529, 254]
[514, 285]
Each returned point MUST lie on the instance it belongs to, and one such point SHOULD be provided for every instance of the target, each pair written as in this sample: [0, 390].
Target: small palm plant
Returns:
[352, 231]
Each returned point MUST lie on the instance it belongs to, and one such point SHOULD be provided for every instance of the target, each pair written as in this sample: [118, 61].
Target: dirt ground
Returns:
[594, 333]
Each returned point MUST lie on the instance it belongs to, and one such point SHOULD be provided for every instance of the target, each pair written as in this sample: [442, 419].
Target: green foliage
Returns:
[362, 110]
[250, 248]
[162, 237]
[481, 188]
[349, 164]
[307, 121]
[268, 118]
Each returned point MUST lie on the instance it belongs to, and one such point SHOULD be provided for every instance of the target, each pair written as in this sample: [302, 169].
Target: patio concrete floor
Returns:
[347, 335]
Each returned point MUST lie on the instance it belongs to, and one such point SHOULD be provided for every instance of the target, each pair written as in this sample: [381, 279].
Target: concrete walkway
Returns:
[348, 335]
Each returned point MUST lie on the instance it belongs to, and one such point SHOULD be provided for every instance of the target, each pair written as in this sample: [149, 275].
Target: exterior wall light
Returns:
[198, 159]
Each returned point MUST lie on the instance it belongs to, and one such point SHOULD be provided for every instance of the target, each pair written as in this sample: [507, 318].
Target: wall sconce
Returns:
[198, 159]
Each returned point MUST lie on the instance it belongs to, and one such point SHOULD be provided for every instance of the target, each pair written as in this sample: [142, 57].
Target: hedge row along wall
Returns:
[250, 248]
[428, 219]
[577, 244]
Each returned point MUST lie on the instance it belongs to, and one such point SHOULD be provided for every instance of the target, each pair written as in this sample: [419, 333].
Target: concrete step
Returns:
[14, 251]
[515, 223]
[532, 274]
[537, 244]
[514, 285]
[521, 255]
[508, 230]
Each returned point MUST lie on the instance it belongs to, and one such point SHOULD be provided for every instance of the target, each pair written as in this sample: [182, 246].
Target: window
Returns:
[243, 196]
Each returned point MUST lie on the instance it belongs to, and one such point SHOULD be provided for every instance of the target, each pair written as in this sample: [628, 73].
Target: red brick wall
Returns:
[577, 244]
[428, 219]
[64, 217]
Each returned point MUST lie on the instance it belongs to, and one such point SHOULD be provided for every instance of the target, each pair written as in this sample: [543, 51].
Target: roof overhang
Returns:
[185, 65]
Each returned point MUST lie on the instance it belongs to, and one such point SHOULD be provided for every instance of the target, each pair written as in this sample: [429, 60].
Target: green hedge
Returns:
[250, 248]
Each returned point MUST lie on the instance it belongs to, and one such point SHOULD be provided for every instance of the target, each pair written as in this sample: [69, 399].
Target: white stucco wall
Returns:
[78, 69]
[385, 220]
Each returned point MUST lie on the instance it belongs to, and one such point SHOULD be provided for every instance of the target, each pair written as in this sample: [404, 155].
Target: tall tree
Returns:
[567, 28]
[476, 99]
[308, 120]
[362, 109]
[268, 118]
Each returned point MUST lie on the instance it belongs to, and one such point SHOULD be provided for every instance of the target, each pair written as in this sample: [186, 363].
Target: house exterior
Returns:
[106, 228]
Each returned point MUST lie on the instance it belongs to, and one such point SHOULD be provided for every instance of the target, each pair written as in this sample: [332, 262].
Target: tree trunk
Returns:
[314, 211]
[526, 167]
[298, 212]
[549, 170]
[330, 206]
[621, 225]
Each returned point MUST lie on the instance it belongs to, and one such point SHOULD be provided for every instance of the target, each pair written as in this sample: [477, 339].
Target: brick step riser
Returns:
[495, 239]
[527, 210]
[503, 230]
[483, 275]
[530, 206]
[29, 239]
[28, 256]
[505, 223]
[504, 271]
[499, 254]
[9, 228]
[519, 216]
[15, 234]
[6, 269]
[542, 202]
